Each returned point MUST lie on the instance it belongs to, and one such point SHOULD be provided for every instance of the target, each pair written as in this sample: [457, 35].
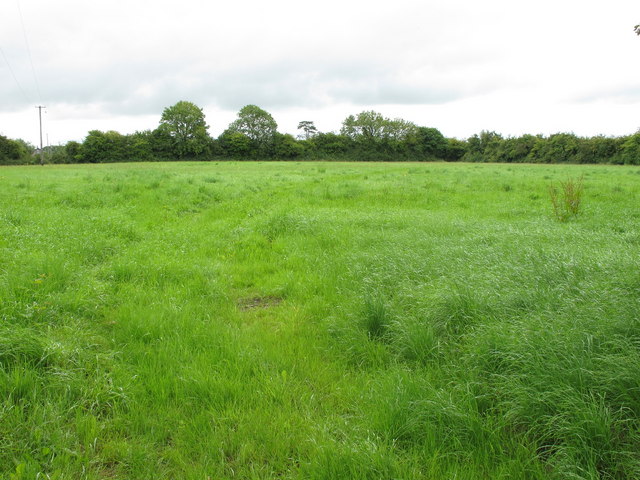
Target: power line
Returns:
[26, 41]
[35, 78]
[6, 60]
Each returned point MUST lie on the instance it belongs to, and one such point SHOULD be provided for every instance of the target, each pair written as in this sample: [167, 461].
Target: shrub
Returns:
[631, 150]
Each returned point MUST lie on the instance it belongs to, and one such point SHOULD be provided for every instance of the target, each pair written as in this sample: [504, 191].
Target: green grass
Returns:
[318, 320]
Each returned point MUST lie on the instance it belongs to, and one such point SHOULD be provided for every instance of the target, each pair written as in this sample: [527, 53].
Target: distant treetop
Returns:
[255, 123]
[184, 122]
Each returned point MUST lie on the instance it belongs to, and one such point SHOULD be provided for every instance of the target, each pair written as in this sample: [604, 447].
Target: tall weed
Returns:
[567, 199]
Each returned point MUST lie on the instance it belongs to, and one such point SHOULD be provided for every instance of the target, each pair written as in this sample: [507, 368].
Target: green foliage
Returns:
[308, 128]
[483, 147]
[258, 125]
[57, 154]
[368, 125]
[515, 149]
[12, 152]
[374, 137]
[599, 148]
[558, 148]
[104, 147]
[371, 126]
[455, 150]
[184, 122]
[286, 147]
[329, 145]
[140, 147]
[430, 142]
[28, 148]
[367, 136]
[567, 199]
[630, 150]
[161, 144]
[235, 144]
[73, 151]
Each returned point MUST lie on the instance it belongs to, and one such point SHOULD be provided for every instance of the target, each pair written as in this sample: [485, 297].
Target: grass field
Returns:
[318, 320]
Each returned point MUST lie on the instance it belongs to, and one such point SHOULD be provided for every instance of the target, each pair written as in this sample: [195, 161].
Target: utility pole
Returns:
[40, 107]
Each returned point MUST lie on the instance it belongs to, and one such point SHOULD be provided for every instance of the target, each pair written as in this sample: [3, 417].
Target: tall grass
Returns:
[567, 199]
[318, 320]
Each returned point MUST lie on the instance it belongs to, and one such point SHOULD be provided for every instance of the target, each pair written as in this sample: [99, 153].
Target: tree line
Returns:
[182, 134]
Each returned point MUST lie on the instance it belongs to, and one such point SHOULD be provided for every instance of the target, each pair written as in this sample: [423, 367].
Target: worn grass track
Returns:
[318, 320]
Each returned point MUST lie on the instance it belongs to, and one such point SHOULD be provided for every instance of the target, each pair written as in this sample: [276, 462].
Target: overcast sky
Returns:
[461, 66]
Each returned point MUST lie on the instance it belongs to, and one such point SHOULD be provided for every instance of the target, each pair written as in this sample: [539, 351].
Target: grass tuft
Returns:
[376, 317]
[566, 200]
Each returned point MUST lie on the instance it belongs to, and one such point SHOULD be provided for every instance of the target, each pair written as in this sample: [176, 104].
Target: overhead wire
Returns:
[6, 60]
[26, 41]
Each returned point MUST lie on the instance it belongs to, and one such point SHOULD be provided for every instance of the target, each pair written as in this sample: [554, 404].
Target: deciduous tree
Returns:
[11, 151]
[286, 146]
[73, 150]
[366, 125]
[370, 125]
[258, 125]
[235, 144]
[184, 122]
[631, 150]
[430, 142]
[104, 147]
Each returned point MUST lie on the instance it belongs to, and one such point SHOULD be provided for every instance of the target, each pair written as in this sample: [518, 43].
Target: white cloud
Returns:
[458, 65]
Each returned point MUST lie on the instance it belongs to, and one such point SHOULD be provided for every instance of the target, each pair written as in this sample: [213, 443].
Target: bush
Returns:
[12, 152]
[286, 147]
[631, 150]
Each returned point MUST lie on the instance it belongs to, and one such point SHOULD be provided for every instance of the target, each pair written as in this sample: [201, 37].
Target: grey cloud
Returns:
[146, 86]
[289, 84]
[382, 91]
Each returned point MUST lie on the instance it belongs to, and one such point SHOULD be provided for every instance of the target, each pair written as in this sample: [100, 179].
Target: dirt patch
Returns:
[253, 303]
